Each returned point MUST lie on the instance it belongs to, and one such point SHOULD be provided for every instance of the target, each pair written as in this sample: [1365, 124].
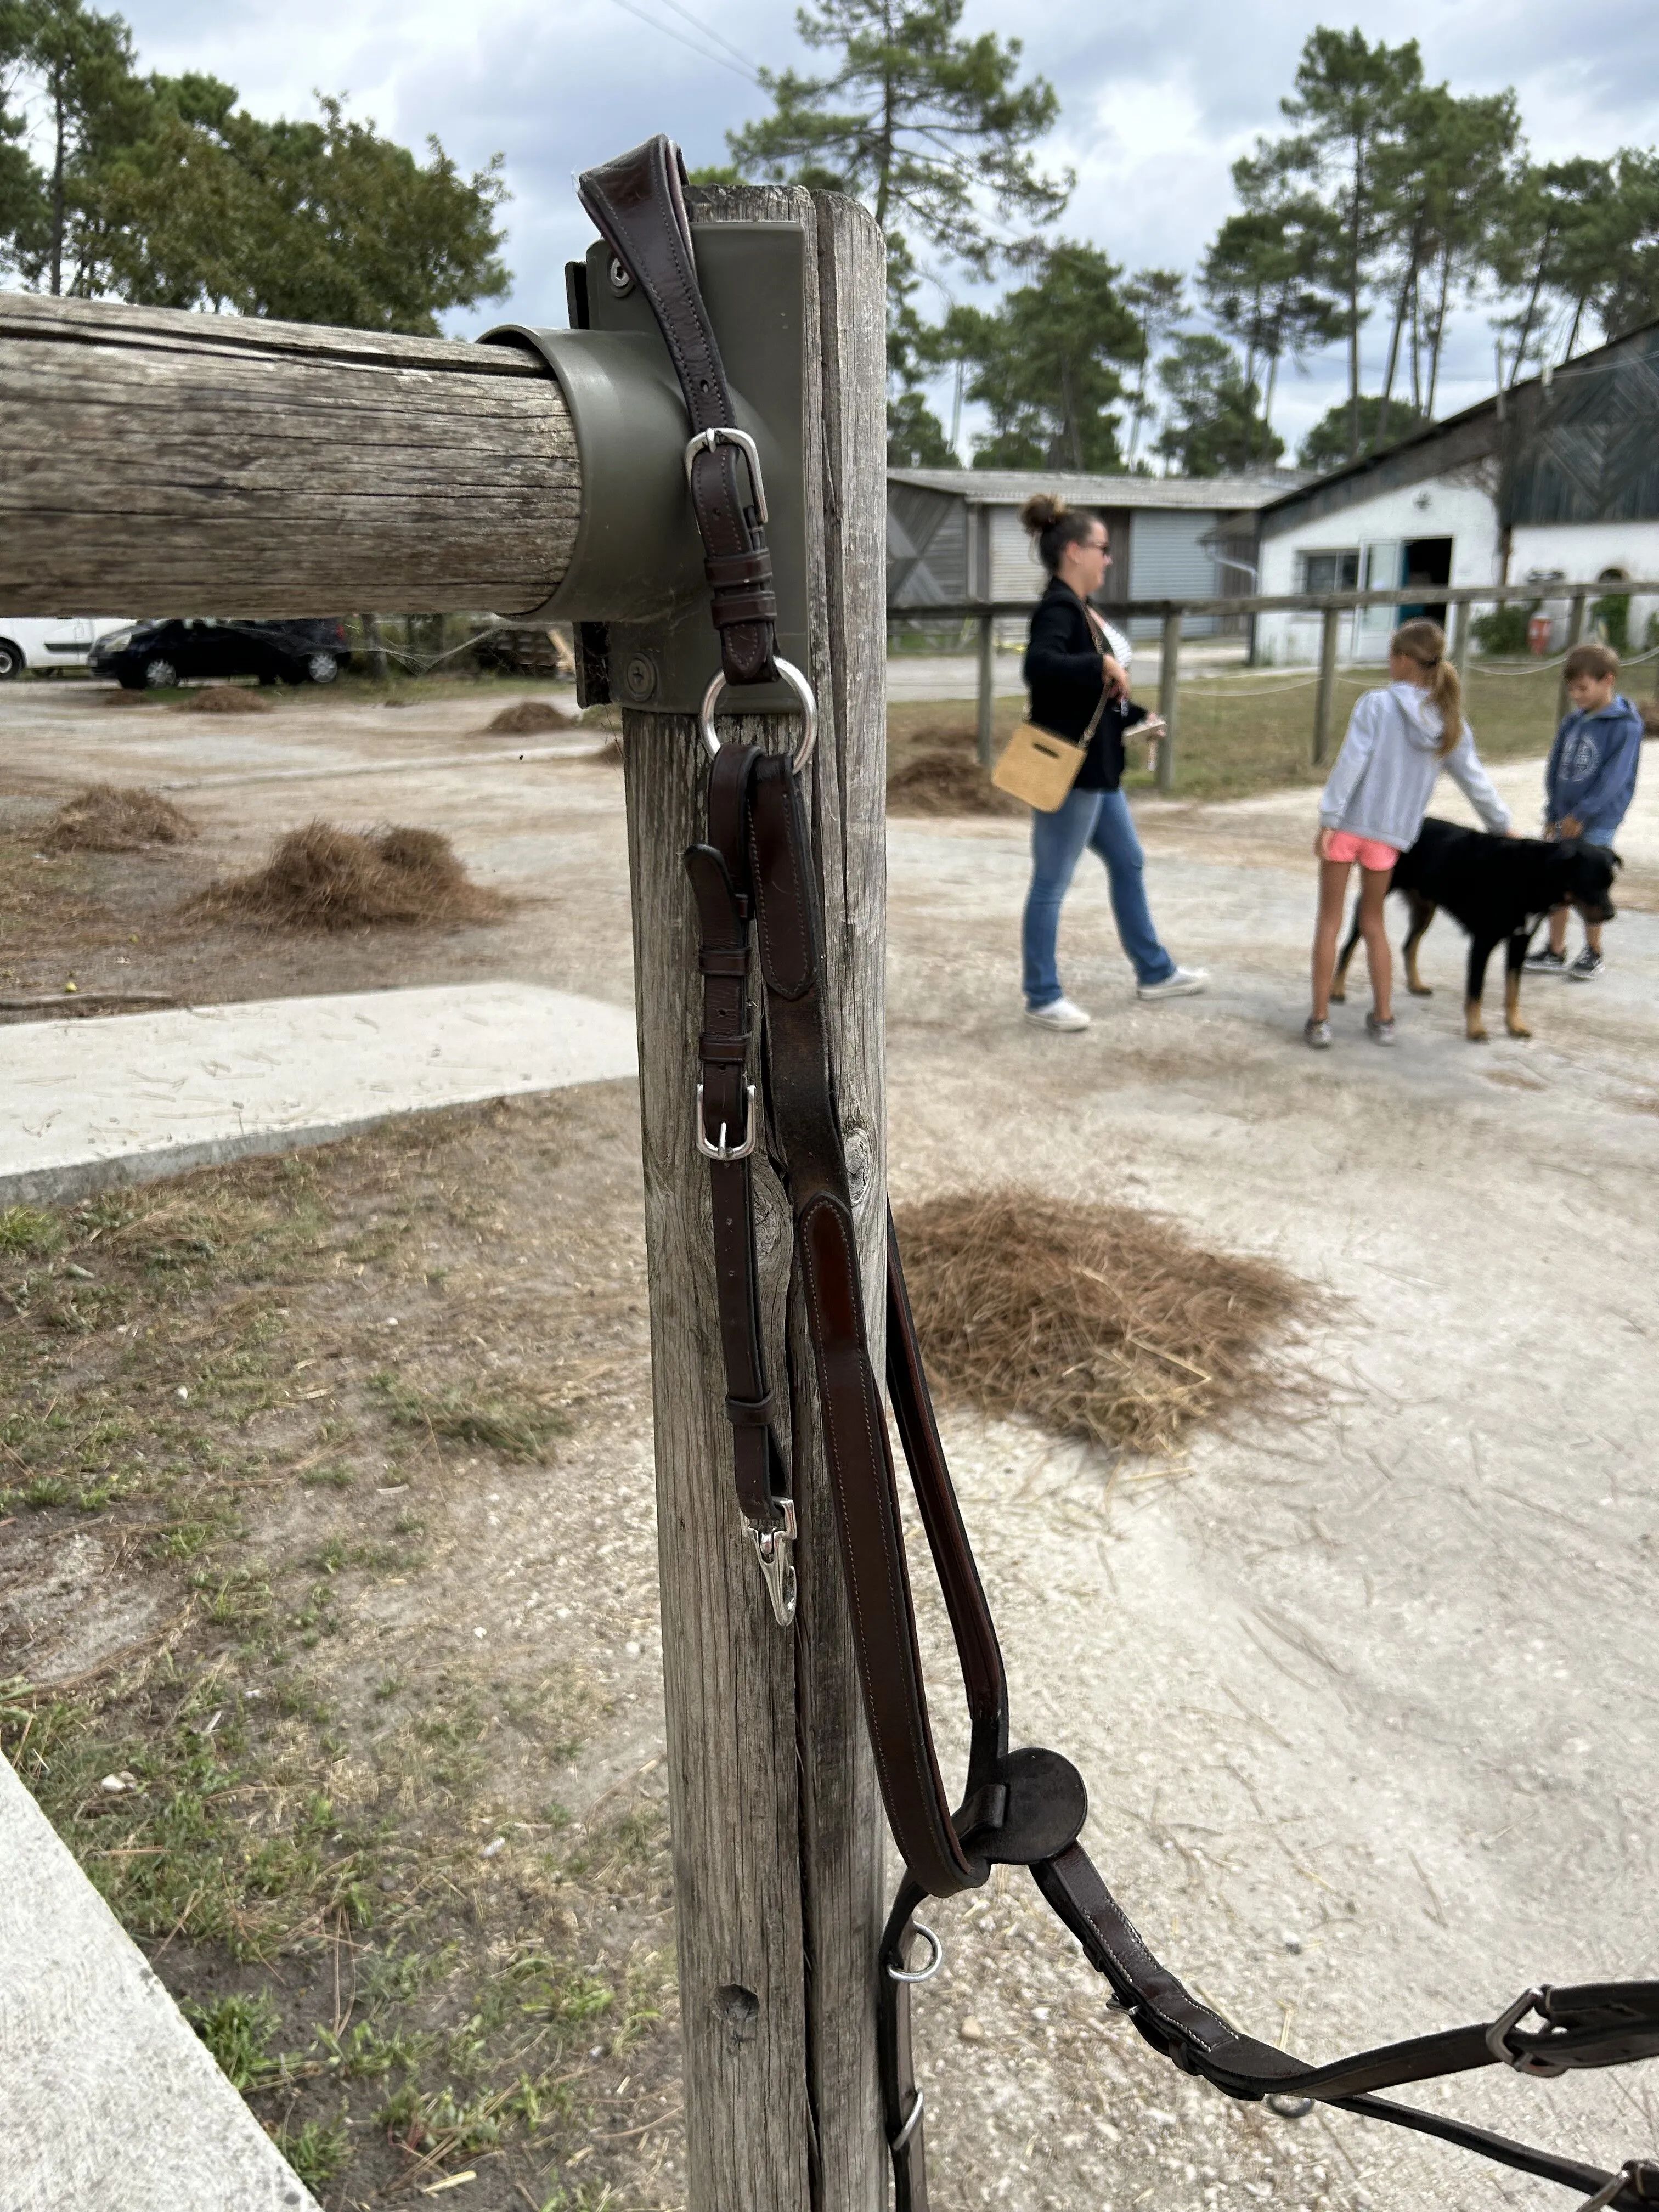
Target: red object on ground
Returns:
[1538, 634]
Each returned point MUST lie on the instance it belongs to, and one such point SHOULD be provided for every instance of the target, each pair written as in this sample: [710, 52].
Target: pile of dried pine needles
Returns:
[322, 878]
[109, 818]
[1097, 1321]
[945, 783]
[526, 716]
[223, 699]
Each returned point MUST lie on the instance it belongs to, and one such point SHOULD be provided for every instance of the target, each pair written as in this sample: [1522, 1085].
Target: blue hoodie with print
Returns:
[1591, 775]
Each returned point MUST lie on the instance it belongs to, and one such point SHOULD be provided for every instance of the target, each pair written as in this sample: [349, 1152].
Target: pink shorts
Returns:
[1345, 846]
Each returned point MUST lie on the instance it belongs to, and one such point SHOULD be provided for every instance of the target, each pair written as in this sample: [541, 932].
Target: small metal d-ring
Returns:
[921, 1973]
[803, 691]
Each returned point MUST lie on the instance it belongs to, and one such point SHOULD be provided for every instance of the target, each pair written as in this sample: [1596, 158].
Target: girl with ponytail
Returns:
[1373, 805]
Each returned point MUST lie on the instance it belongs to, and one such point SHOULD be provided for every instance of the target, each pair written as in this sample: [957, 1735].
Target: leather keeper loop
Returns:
[726, 570]
[725, 1051]
[726, 610]
[718, 960]
[752, 1412]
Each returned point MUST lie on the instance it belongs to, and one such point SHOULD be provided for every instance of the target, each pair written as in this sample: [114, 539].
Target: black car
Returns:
[157, 653]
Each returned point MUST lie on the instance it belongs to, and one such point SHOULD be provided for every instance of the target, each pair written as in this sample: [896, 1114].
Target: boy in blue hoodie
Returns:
[1588, 785]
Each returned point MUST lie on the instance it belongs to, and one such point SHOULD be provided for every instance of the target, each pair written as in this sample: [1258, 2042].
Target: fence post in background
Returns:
[1325, 704]
[986, 716]
[985, 725]
[1575, 636]
[1461, 615]
[1168, 698]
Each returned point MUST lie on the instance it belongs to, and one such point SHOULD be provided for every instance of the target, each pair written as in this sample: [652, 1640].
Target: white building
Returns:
[1556, 482]
[955, 534]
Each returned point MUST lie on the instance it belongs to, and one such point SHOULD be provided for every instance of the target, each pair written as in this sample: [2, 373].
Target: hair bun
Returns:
[1040, 512]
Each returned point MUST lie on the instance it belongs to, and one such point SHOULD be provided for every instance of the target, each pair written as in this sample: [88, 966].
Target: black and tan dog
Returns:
[1500, 888]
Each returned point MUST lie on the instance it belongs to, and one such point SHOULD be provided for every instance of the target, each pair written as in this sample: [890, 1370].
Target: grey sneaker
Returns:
[1379, 1032]
[1586, 966]
[1058, 1014]
[1316, 1033]
[1179, 983]
[1545, 961]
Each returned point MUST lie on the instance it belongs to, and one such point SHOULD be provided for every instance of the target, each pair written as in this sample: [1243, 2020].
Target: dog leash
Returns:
[756, 892]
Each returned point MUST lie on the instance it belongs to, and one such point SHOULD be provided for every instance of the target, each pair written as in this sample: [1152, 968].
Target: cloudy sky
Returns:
[1187, 87]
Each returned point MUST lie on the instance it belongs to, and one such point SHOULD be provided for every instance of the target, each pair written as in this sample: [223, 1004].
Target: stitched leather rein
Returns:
[757, 897]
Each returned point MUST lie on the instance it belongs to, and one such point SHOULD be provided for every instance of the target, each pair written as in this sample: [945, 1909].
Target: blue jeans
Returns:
[1102, 821]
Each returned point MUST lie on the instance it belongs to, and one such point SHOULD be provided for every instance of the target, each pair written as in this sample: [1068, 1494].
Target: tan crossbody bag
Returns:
[1040, 767]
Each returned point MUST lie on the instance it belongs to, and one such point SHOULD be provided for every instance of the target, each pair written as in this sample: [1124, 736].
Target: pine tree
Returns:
[926, 125]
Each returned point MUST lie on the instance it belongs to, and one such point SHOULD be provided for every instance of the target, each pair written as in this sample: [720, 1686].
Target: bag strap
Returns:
[638, 204]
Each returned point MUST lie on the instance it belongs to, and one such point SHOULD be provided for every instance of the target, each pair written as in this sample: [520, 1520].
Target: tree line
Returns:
[1387, 202]
[164, 190]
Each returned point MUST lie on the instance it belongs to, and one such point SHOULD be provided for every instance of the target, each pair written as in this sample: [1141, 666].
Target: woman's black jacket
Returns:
[1063, 674]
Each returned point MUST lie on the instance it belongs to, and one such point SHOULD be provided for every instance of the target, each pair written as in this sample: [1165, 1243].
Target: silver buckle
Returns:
[1524, 2061]
[721, 1149]
[705, 442]
[773, 1549]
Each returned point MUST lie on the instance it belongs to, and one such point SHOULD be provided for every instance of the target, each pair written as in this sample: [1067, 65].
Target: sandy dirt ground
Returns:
[1366, 1699]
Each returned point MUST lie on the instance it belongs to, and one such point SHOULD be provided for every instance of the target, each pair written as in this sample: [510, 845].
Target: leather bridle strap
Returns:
[1027, 1807]
[638, 204]
[756, 894]
[726, 1127]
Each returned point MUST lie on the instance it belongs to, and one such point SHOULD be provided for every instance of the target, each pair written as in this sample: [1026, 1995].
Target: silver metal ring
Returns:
[909, 2127]
[803, 691]
[921, 1973]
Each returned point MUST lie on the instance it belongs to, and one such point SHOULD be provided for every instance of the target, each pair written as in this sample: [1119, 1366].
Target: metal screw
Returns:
[640, 675]
[622, 283]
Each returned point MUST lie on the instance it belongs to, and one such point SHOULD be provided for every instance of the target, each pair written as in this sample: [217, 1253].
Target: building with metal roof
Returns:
[1555, 480]
[955, 534]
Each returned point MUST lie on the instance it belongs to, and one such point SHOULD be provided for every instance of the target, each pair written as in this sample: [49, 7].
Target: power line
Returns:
[709, 31]
[703, 53]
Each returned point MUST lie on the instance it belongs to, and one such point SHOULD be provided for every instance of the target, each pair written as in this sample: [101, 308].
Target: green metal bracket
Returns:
[637, 565]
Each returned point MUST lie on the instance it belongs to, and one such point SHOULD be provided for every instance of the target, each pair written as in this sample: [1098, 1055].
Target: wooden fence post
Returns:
[1325, 702]
[775, 1816]
[985, 723]
[1168, 698]
[1461, 615]
[1575, 636]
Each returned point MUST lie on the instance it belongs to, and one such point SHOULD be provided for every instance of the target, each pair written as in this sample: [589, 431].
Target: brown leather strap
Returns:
[727, 1128]
[638, 204]
[1027, 1807]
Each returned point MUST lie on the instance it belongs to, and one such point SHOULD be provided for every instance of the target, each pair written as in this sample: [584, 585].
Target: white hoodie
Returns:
[1386, 771]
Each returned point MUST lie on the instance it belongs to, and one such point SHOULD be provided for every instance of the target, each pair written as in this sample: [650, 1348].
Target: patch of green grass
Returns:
[193, 1851]
[27, 1229]
[509, 1422]
[315, 2151]
[332, 1475]
[238, 2031]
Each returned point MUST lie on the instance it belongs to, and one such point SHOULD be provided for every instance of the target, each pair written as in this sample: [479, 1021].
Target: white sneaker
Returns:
[1058, 1014]
[1182, 984]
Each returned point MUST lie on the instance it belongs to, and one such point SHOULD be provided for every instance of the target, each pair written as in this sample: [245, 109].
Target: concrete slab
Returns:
[111, 2101]
[87, 1103]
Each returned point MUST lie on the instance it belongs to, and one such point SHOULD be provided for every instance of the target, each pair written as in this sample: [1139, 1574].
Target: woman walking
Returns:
[1078, 683]
[1372, 807]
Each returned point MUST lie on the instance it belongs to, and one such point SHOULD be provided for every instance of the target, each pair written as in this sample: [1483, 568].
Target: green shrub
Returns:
[1504, 631]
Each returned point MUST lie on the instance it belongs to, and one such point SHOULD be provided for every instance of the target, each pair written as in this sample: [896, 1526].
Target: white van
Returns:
[52, 641]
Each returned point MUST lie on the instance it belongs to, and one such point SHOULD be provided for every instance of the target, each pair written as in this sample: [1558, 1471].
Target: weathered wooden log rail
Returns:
[158, 463]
